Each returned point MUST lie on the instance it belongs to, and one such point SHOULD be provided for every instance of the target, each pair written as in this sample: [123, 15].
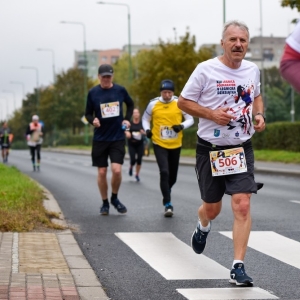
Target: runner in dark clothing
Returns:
[135, 137]
[5, 141]
[104, 110]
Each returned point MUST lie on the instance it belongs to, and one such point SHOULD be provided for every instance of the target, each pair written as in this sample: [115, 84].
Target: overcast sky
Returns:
[26, 25]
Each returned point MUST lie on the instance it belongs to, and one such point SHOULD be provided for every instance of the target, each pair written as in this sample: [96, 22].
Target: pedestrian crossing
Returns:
[243, 293]
[174, 260]
[274, 245]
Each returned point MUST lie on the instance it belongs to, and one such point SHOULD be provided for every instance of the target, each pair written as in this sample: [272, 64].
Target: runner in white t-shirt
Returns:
[290, 61]
[224, 93]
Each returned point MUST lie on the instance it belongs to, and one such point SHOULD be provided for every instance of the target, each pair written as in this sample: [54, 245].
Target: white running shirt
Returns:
[214, 85]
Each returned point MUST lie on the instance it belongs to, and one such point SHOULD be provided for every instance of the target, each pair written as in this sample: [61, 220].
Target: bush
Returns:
[277, 136]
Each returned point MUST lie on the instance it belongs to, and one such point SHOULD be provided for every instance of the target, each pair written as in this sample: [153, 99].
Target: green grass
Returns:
[277, 156]
[262, 155]
[21, 203]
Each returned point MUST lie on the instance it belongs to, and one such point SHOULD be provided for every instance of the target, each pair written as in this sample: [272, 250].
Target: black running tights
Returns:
[168, 161]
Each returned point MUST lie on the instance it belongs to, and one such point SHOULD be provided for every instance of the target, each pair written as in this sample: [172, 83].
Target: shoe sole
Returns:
[168, 214]
[121, 212]
[247, 283]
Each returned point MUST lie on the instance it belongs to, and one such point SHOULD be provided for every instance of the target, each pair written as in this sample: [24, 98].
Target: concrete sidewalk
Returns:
[46, 265]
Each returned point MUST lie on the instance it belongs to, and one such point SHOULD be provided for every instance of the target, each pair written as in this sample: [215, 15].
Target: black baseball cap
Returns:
[105, 70]
[167, 84]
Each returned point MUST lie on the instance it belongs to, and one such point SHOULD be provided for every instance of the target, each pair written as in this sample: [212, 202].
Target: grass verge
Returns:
[262, 155]
[21, 204]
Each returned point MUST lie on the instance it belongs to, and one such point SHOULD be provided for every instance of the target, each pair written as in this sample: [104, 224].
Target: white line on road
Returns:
[172, 258]
[295, 201]
[274, 245]
[226, 294]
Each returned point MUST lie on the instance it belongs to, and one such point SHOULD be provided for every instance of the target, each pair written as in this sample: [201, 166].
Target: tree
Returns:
[278, 97]
[68, 100]
[175, 61]
[291, 3]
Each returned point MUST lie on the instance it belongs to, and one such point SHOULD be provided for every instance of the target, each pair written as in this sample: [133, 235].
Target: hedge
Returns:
[277, 136]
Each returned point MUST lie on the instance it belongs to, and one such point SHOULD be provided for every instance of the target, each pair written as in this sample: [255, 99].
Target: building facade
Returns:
[268, 48]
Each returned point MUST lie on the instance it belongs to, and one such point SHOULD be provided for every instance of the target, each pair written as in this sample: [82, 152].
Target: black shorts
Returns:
[212, 189]
[102, 150]
[5, 146]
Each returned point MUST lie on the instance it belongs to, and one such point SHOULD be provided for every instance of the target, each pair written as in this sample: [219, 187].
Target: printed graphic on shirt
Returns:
[109, 110]
[240, 106]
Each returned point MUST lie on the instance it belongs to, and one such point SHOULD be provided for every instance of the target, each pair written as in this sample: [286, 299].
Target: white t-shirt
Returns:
[293, 40]
[214, 85]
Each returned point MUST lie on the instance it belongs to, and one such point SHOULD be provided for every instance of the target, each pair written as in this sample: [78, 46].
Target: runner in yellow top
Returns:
[166, 134]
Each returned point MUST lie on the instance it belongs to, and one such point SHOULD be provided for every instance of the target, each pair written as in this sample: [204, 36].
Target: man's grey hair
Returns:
[236, 23]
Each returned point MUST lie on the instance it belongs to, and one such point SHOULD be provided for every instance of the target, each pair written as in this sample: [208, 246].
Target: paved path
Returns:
[46, 265]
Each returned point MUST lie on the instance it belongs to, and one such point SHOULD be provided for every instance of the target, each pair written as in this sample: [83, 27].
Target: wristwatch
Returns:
[262, 116]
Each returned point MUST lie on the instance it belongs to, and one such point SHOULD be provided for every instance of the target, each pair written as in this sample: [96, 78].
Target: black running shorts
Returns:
[212, 189]
[102, 150]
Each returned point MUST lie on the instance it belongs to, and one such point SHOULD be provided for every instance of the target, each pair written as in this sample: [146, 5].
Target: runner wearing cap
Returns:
[104, 110]
[166, 134]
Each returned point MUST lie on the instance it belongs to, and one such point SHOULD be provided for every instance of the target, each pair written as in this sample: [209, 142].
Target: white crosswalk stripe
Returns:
[175, 260]
[274, 245]
[172, 258]
[295, 201]
[226, 294]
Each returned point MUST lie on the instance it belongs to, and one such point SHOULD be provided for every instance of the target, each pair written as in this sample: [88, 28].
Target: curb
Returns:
[86, 281]
[184, 162]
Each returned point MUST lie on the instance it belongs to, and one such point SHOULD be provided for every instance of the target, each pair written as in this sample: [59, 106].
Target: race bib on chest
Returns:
[109, 110]
[228, 161]
[167, 133]
[136, 135]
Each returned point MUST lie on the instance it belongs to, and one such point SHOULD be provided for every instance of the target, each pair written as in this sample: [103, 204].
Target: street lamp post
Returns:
[54, 79]
[262, 58]
[6, 91]
[84, 75]
[22, 84]
[53, 60]
[224, 11]
[129, 35]
[6, 108]
[37, 84]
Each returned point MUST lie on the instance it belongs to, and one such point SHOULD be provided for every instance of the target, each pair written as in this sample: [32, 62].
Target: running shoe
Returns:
[104, 210]
[130, 172]
[137, 177]
[118, 206]
[168, 210]
[198, 240]
[238, 275]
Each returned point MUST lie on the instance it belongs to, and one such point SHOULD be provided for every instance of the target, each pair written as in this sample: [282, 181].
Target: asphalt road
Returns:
[132, 254]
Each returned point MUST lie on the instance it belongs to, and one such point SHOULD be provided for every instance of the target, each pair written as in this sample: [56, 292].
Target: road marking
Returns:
[274, 245]
[295, 201]
[172, 258]
[226, 294]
